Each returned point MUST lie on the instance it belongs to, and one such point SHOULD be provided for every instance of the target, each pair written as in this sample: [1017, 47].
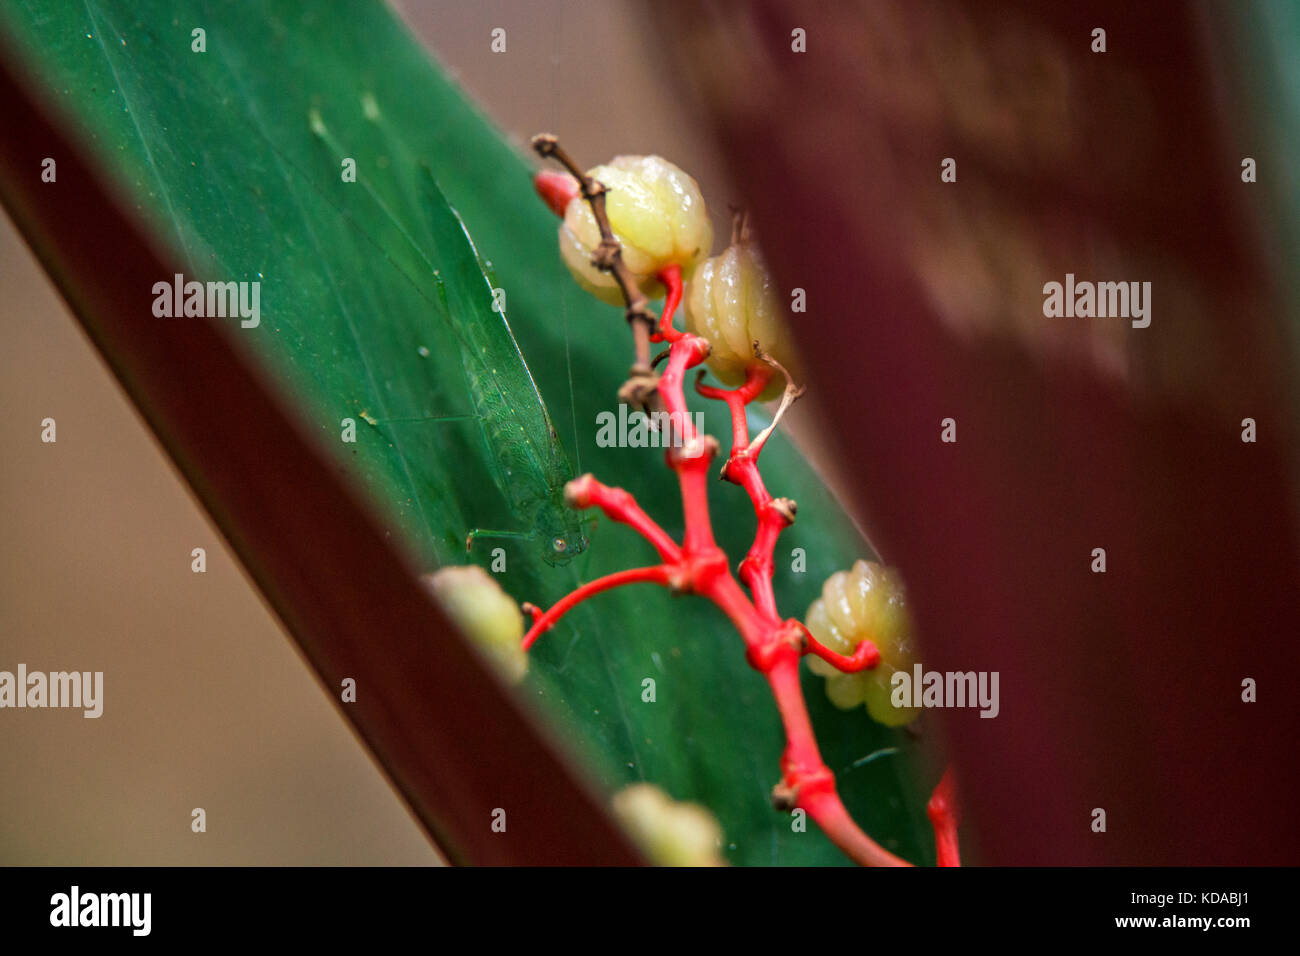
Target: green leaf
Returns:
[374, 307]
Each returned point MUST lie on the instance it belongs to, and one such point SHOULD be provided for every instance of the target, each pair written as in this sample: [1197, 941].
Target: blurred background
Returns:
[207, 702]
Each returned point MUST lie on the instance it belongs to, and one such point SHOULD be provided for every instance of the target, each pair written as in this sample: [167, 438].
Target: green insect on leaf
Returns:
[527, 462]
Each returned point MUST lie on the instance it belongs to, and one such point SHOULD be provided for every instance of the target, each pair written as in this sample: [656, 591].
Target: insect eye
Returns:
[559, 544]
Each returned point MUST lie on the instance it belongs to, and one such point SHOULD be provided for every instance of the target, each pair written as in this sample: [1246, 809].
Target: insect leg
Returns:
[371, 420]
[486, 533]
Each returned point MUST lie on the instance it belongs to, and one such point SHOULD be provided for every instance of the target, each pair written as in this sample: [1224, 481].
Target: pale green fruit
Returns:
[669, 832]
[845, 691]
[658, 216]
[866, 602]
[733, 302]
[486, 614]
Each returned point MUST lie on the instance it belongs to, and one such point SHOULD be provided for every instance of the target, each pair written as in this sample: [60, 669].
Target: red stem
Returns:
[809, 779]
[772, 646]
[945, 813]
[864, 657]
[756, 379]
[621, 506]
[671, 277]
[657, 574]
[742, 469]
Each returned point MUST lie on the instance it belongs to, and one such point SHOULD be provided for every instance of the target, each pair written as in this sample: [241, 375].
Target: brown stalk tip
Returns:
[787, 508]
[783, 797]
[740, 232]
[545, 143]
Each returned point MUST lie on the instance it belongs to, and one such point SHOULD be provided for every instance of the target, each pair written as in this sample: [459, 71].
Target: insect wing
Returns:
[515, 421]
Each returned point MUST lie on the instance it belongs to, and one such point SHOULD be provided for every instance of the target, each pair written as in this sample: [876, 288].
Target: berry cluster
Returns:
[638, 227]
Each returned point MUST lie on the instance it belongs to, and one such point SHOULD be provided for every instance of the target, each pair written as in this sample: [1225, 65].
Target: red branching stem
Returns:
[831, 815]
[689, 453]
[693, 475]
[864, 657]
[671, 277]
[757, 567]
[621, 506]
[807, 782]
[742, 469]
[945, 814]
[685, 353]
[756, 630]
[656, 574]
[756, 379]
[773, 646]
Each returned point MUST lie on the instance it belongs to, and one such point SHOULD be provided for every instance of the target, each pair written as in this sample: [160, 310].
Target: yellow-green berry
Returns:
[733, 302]
[658, 216]
[485, 613]
[867, 602]
[669, 832]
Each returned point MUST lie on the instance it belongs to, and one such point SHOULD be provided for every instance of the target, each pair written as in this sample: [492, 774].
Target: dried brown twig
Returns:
[642, 386]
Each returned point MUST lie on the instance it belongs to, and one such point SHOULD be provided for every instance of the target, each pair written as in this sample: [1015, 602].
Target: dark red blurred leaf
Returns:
[1119, 690]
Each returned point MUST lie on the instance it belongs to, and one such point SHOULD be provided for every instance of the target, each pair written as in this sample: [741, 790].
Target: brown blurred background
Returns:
[207, 703]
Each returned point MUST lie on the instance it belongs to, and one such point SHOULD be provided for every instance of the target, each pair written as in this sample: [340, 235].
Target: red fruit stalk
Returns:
[945, 814]
[556, 189]
[773, 645]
